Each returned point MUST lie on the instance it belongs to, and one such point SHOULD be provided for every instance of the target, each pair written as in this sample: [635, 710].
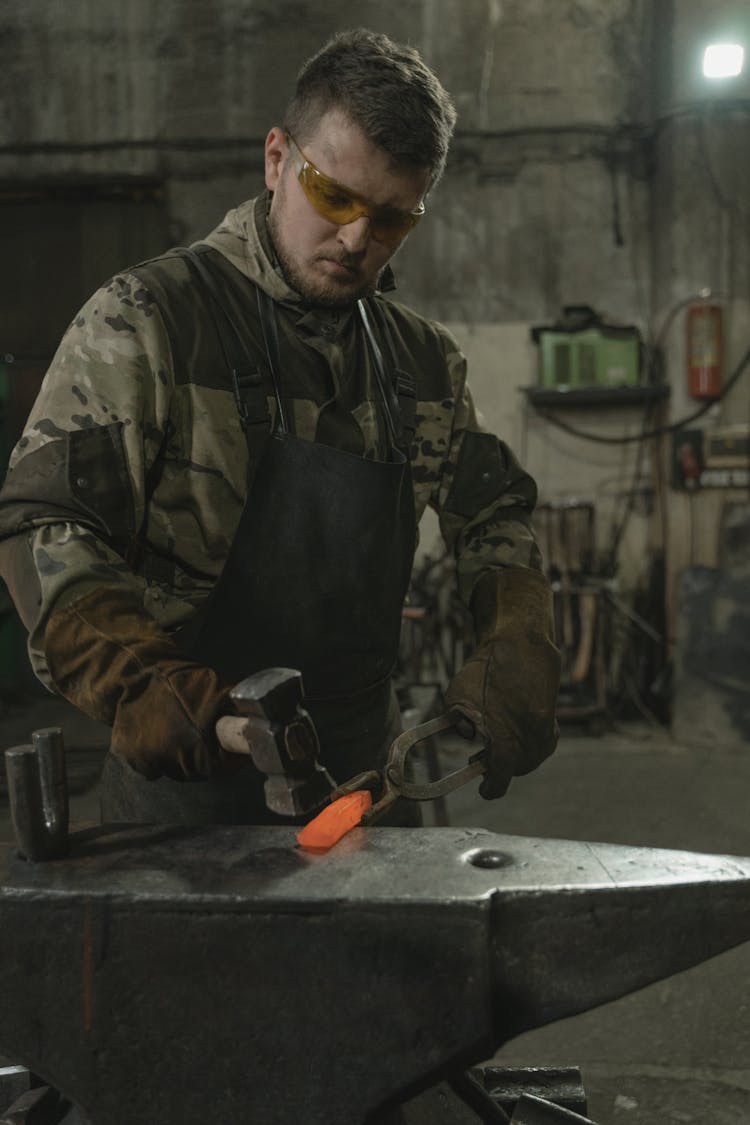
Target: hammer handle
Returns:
[231, 731]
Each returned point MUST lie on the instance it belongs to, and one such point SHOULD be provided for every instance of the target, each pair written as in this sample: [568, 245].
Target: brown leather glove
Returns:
[508, 686]
[112, 661]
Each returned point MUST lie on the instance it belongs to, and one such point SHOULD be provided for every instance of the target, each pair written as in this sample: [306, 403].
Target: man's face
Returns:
[328, 263]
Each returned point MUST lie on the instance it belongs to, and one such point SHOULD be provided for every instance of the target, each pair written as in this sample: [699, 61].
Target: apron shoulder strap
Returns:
[247, 380]
[398, 387]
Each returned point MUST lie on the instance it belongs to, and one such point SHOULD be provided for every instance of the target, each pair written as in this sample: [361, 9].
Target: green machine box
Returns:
[581, 351]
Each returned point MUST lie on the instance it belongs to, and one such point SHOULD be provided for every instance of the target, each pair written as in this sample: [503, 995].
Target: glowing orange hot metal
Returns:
[336, 819]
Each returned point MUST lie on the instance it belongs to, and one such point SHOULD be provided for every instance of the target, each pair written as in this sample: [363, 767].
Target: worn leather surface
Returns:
[113, 662]
[508, 686]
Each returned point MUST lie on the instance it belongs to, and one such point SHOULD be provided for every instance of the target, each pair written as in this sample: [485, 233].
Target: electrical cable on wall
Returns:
[668, 428]
[618, 530]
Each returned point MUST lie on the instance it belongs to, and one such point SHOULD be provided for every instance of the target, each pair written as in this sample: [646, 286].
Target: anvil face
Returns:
[191, 974]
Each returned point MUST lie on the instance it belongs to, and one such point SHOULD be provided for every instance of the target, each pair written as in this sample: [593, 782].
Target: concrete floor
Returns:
[678, 1051]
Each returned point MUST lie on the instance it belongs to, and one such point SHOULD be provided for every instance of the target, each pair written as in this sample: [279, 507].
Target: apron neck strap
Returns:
[270, 331]
[397, 387]
[247, 380]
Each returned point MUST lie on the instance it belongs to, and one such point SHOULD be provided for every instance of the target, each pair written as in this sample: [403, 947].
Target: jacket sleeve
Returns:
[483, 497]
[74, 496]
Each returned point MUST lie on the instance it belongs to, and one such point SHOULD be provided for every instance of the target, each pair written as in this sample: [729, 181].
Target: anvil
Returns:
[183, 975]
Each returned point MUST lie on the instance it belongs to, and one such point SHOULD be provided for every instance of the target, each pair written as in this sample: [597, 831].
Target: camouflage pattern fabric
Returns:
[132, 470]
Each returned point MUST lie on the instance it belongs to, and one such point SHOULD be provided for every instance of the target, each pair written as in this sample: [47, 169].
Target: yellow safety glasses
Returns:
[341, 205]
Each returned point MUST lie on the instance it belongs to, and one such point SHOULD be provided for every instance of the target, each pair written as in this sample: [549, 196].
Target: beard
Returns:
[312, 288]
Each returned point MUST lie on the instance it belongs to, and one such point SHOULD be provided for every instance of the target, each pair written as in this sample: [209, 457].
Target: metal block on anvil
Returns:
[180, 975]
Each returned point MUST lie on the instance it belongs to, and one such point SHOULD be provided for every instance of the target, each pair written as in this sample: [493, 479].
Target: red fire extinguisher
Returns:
[704, 336]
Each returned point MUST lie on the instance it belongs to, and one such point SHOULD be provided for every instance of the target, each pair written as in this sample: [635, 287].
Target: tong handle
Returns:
[395, 766]
[395, 783]
[392, 783]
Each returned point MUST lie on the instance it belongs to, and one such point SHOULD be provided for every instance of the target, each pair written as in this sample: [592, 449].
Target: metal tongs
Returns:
[391, 782]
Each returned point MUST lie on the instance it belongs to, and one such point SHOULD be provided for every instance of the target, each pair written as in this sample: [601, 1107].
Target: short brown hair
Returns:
[383, 87]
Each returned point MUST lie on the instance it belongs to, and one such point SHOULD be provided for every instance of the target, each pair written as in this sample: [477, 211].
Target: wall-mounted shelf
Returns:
[596, 396]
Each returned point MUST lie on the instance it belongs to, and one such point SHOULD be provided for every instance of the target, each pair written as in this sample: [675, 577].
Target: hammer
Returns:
[278, 734]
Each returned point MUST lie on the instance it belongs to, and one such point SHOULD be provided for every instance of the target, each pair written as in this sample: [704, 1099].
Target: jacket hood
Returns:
[242, 237]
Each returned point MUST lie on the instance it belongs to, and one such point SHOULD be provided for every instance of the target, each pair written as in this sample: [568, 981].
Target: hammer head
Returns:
[273, 693]
[282, 741]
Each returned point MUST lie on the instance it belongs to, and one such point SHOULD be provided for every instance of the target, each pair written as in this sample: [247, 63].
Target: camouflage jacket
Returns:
[132, 470]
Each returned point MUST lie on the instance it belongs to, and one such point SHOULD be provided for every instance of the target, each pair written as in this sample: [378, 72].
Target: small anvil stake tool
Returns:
[280, 737]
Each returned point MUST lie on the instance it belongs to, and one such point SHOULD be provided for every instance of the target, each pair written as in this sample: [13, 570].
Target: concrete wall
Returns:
[701, 234]
[579, 175]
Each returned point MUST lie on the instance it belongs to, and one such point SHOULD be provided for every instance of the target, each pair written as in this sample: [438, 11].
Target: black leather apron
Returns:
[315, 579]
